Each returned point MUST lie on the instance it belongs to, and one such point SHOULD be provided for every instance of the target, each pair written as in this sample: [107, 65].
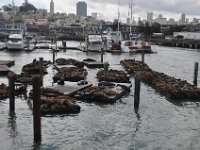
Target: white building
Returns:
[161, 20]
[171, 21]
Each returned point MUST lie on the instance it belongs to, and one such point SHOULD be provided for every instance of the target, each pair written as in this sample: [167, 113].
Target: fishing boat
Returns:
[140, 47]
[93, 42]
[15, 38]
[114, 39]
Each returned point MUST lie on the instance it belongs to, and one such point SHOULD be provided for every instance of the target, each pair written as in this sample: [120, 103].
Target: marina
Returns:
[109, 126]
[108, 76]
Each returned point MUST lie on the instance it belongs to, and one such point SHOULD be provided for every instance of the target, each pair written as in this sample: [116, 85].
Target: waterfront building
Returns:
[81, 9]
[188, 35]
[51, 8]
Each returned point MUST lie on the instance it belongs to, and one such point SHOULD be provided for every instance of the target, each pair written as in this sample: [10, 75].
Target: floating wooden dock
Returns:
[2, 46]
[172, 87]
[68, 89]
[4, 70]
[8, 63]
[93, 64]
[69, 48]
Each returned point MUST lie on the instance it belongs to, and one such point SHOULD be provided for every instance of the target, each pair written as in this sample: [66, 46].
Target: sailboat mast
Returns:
[13, 22]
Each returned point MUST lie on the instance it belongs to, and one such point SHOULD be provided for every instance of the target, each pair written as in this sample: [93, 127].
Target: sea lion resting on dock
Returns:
[53, 102]
[34, 67]
[100, 94]
[118, 76]
[59, 105]
[4, 93]
[70, 74]
[70, 61]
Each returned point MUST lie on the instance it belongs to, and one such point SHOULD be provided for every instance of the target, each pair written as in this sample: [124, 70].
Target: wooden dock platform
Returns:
[8, 63]
[3, 46]
[93, 64]
[4, 70]
[68, 89]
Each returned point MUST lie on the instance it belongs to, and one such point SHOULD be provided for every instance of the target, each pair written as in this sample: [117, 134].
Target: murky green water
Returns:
[158, 124]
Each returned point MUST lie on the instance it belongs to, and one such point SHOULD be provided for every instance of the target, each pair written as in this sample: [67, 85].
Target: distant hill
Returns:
[27, 7]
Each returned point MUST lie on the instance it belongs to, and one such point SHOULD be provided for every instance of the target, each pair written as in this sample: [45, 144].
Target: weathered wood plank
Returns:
[4, 70]
[8, 63]
[68, 89]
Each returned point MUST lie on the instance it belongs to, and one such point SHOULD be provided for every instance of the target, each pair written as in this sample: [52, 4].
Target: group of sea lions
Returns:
[112, 75]
[53, 102]
[169, 86]
[32, 69]
[5, 92]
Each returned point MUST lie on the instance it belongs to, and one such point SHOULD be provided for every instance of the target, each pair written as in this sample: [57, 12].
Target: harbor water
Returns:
[158, 124]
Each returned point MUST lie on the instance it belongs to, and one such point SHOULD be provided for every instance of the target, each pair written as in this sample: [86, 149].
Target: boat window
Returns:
[128, 43]
[15, 40]
[96, 42]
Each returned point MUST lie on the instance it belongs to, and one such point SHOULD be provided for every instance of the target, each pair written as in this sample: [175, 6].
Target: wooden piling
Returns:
[28, 44]
[53, 56]
[106, 70]
[36, 109]
[196, 67]
[41, 71]
[143, 56]
[137, 93]
[11, 77]
[101, 54]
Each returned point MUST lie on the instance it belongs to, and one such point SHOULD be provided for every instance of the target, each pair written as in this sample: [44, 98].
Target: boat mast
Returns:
[13, 21]
[131, 18]
[118, 18]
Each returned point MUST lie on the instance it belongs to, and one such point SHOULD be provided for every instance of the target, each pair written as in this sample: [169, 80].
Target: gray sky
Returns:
[108, 8]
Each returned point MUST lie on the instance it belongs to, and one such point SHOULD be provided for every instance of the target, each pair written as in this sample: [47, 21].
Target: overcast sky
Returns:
[108, 8]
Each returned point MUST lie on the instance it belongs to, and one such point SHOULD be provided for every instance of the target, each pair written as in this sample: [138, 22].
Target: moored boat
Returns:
[141, 47]
[93, 42]
[15, 42]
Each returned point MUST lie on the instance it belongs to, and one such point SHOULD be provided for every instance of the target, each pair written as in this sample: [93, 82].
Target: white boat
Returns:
[140, 47]
[114, 38]
[15, 39]
[125, 46]
[15, 42]
[93, 42]
[113, 41]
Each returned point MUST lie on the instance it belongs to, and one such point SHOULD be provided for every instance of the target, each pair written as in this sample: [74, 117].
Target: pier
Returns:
[183, 43]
